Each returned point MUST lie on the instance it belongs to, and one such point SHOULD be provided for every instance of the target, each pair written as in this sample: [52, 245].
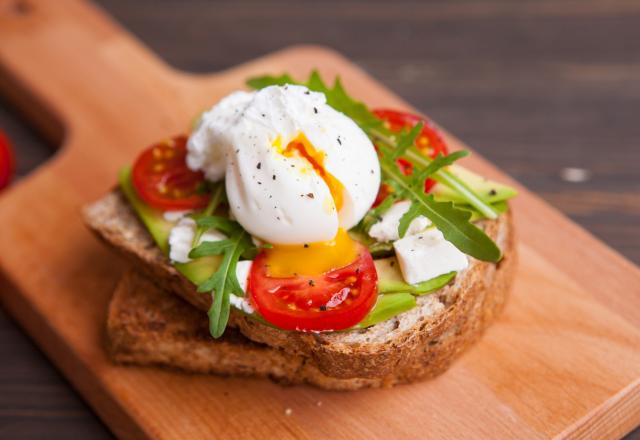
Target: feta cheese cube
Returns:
[387, 228]
[427, 255]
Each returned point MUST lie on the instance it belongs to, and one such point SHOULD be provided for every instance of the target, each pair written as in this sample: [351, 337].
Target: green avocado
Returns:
[488, 190]
[387, 306]
[390, 279]
[195, 271]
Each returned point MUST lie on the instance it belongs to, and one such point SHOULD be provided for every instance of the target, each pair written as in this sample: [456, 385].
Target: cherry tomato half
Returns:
[7, 161]
[162, 179]
[335, 300]
[429, 141]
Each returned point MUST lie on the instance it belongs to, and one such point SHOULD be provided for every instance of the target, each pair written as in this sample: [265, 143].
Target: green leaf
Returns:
[407, 218]
[260, 82]
[452, 222]
[439, 162]
[210, 248]
[217, 197]
[374, 215]
[224, 281]
[406, 140]
[452, 181]
[222, 224]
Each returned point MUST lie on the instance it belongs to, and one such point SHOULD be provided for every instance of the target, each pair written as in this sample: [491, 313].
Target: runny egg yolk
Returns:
[286, 260]
[319, 257]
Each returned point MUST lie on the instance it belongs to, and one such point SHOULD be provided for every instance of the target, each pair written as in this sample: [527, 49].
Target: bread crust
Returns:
[150, 327]
[417, 344]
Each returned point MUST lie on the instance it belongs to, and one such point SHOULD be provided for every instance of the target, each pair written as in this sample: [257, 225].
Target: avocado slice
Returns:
[154, 221]
[387, 306]
[488, 190]
[390, 279]
[196, 271]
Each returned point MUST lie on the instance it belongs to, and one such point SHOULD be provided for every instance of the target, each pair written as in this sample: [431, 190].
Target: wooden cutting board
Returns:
[563, 360]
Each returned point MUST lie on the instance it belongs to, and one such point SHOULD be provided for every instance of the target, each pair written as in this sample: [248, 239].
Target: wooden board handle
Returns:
[57, 59]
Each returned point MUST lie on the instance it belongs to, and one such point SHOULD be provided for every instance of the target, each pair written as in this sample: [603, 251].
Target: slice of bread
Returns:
[416, 344]
[151, 327]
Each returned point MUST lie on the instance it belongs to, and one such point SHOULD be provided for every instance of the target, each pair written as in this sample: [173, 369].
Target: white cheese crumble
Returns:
[174, 216]
[387, 228]
[241, 303]
[427, 255]
[242, 273]
[181, 239]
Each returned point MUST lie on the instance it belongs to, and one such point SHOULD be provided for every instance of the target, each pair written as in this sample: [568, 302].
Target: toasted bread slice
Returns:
[148, 326]
[416, 344]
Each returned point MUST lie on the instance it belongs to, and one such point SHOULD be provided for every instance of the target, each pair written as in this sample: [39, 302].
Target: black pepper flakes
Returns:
[312, 283]
[315, 110]
[339, 141]
[273, 177]
[259, 165]
[323, 308]
[306, 245]
[493, 192]
[310, 195]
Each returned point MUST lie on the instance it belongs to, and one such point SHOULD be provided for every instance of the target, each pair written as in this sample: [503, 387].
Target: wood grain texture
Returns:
[71, 274]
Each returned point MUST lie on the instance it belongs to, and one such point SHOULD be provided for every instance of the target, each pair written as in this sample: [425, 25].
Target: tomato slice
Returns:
[162, 179]
[335, 300]
[7, 161]
[429, 141]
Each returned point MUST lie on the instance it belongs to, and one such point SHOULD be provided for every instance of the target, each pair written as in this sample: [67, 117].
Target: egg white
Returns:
[277, 198]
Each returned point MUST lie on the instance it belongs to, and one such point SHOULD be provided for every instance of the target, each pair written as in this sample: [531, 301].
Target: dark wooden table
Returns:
[536, 87]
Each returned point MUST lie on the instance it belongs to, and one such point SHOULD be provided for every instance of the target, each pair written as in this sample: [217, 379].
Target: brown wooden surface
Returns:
[546, 85]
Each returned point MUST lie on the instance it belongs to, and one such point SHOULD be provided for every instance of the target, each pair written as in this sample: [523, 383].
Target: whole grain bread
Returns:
[148, 326]
[417, 344]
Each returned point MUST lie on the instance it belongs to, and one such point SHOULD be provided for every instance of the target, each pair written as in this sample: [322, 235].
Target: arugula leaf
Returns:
[260, 82]
[452, 222]
[439, 162]
[210, 248]
[222, 224]
[216, 198]
[405, 140]
[374, 215]
[224, 281]
[407, 218]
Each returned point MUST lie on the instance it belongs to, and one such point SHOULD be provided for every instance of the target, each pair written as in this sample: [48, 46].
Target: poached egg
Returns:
[298, 173]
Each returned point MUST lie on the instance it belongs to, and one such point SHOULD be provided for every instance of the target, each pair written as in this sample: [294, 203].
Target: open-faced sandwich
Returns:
[328, 243]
